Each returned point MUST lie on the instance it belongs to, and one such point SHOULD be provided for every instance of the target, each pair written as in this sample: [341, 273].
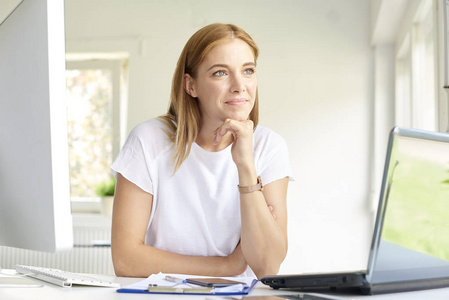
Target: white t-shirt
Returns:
[195, 211]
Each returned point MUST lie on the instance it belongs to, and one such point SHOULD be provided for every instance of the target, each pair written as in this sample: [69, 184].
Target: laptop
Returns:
[410, 244]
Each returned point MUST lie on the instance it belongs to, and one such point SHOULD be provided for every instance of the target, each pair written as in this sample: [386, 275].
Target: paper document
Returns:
[157, 283]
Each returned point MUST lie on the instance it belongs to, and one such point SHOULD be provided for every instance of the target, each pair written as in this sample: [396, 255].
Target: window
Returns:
[404, 85]
[416, 86]
[94, 89]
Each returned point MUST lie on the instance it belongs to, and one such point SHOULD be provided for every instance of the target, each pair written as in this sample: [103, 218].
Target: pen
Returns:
[175, 279]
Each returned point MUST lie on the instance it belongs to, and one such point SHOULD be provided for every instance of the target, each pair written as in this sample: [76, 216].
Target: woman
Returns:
[189, 197]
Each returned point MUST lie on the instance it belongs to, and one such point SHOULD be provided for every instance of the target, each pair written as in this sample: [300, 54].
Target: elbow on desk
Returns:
[120, 268]
[269, 266]
[123, 267]
[128, 264]
[127, 260]
[267, 269]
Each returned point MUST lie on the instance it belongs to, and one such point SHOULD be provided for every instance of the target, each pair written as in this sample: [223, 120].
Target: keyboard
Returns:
[63, 278]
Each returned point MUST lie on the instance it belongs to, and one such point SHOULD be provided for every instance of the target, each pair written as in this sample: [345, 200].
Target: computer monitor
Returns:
[34, 168]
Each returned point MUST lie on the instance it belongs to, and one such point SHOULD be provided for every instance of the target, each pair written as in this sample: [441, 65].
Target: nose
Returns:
[237, 84]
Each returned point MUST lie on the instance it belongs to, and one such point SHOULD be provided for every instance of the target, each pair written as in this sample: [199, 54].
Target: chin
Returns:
[238, 116]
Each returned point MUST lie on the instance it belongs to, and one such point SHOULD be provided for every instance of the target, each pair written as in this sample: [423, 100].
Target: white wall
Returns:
[315, 83]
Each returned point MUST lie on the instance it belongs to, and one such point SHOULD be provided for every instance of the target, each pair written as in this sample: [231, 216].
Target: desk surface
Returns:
[53, 292]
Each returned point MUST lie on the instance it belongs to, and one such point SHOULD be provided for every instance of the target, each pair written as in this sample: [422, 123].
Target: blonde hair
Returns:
[183, 118]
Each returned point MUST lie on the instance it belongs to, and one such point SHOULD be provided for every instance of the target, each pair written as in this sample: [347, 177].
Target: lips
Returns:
[237, 102]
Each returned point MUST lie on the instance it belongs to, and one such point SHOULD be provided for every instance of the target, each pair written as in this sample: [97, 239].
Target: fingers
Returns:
[221, 131]
[237, 128]
[270, 208]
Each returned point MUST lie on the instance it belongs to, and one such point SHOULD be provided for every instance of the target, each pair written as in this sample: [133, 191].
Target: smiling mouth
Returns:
[237, 102]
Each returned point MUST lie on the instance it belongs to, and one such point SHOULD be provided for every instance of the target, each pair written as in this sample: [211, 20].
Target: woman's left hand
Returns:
[242, 146]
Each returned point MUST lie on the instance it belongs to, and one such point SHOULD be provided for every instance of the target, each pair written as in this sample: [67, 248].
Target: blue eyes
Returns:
[249, 71]
[221, 73]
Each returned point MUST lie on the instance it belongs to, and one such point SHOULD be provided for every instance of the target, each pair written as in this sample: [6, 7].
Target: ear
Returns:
[189, 85]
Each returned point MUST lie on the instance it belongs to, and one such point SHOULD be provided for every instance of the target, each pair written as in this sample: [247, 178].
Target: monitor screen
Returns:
[34, 172]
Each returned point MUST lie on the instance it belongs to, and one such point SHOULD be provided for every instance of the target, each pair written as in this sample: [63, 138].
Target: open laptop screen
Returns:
[415, 209]
[418, 207]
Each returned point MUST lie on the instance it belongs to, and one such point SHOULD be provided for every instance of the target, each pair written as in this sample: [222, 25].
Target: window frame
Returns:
[410, 57]
[442, 23]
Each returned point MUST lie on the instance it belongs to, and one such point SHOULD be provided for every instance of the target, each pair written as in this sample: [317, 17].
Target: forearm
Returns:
[263, 242]
[263, 239]
[143, 260]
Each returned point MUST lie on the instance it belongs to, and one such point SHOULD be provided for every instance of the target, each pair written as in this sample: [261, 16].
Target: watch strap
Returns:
[252, 188]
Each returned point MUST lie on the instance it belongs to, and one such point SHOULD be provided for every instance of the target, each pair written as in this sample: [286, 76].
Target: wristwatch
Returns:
[252, 188]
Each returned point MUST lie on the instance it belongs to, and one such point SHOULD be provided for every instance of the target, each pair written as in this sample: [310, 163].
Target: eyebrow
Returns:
[226, 66]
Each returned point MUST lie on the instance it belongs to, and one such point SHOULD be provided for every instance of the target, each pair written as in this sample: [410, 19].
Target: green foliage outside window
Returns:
[106, 188]
[89, 98]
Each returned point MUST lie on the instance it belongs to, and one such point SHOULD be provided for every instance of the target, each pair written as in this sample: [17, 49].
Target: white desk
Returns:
[52, 292]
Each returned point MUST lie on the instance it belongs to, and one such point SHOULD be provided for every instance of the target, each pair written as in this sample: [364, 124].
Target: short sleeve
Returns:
[131, 163]
[273, 157]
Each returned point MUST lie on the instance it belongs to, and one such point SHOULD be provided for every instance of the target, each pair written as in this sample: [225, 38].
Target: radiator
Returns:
[85, 257]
